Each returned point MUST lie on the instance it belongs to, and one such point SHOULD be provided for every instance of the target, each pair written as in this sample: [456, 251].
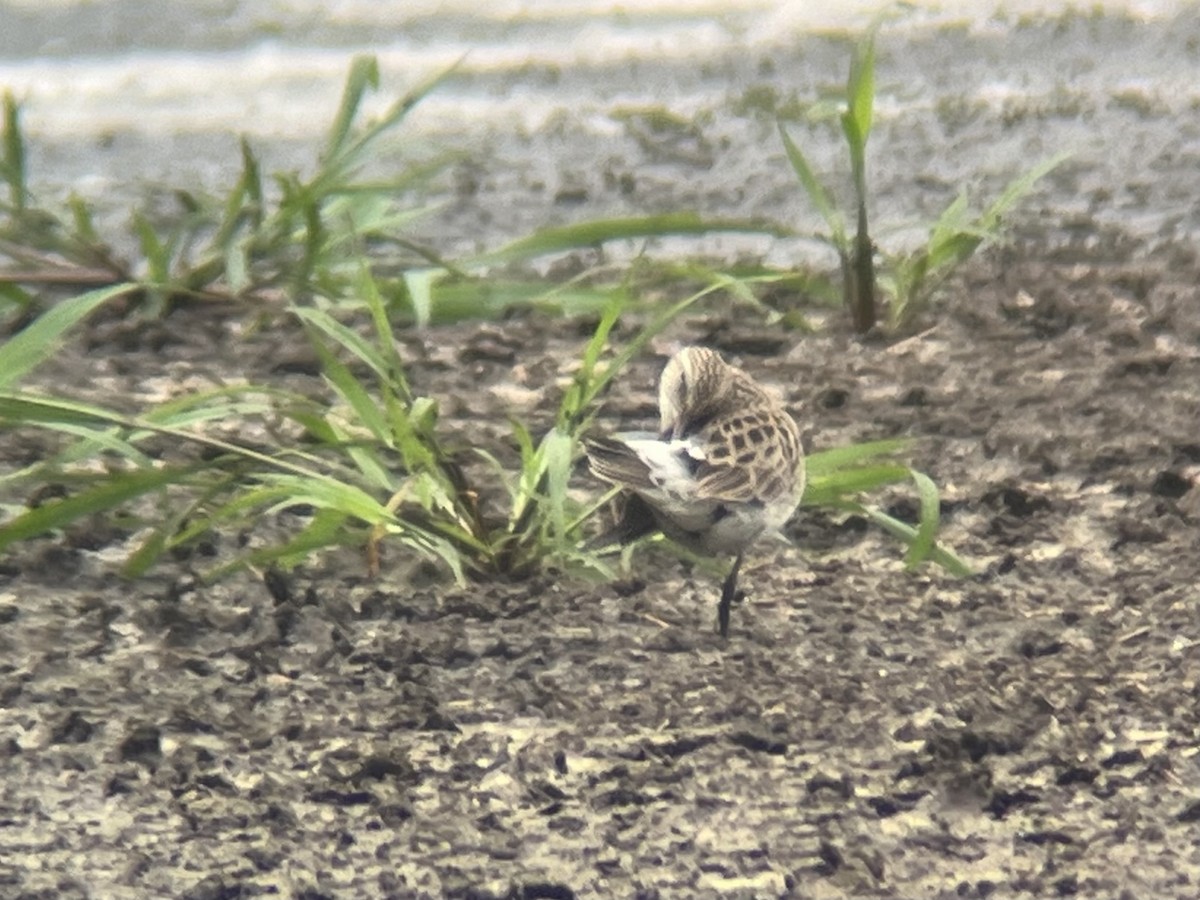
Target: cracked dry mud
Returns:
[865, 732]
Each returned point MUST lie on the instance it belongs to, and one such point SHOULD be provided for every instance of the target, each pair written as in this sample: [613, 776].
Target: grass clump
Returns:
[291, 237]
[369, 464]
[365, 466]
[908, 281]
[263, 239]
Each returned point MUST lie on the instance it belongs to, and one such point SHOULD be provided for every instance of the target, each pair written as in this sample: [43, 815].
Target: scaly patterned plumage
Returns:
[725, 466]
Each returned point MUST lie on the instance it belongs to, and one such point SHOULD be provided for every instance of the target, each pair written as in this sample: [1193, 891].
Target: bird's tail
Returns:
[617, 463]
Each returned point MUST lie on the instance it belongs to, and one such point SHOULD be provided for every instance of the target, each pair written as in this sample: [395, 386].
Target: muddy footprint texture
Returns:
[865, 732]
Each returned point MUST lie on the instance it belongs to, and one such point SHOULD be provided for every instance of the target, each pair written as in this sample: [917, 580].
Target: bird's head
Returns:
[695, 386]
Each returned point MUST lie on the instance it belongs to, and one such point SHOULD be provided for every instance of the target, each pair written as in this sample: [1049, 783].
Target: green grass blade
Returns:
[363, 74]
[18, 409]
[420, 284]
[525, 490]
[926, 537]
[233, 403]
[155, 252]
[237, 267]
[12, 164]
[178, 526]
[42, 338]
[347, 148]
[400, 109]
[83, 220]
[366, 214]
[16, 297]
[824, 462]
[241, 204]
[93, 426]
[634, 347]
[252, 183]
[433, 545]
[328, 493]
[951, 241]
[25, 409]
[92, 441]
[348, 339]
[328, 528]
[816, 191]
[114, 491]
[151, 549]
[1017, 189]
[82, 419]
[557, 452]
[395, 420]
[860, 92]
[599, 231]
[395, 377]
[905, 532]
[575, 407]
[367, 412]
[827, 488]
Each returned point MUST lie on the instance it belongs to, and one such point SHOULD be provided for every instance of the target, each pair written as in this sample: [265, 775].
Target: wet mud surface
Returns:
[865, 732]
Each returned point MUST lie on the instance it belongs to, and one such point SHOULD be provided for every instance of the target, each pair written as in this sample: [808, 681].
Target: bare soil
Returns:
[865, 732]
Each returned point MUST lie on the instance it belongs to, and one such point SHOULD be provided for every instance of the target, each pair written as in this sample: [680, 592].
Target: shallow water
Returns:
[969, 95]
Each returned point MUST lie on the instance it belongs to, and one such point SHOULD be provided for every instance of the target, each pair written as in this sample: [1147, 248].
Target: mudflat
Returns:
[865, 732]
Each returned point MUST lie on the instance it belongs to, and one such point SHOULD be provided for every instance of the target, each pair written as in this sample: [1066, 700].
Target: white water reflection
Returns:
[113, 99]
[273, 72]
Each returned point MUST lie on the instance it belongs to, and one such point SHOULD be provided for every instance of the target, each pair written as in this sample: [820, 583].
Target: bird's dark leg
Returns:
[729, 595]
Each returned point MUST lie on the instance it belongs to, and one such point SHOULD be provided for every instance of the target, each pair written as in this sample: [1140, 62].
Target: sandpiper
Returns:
[725, 466]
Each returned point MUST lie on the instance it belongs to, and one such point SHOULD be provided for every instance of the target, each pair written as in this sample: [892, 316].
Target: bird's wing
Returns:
[617, 462]
[725, 482]
[647, 464]
[742, 454]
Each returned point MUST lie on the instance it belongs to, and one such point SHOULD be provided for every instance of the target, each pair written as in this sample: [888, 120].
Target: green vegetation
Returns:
[369, 462]
[365, 464]
[908, 280]
[251, 243]
[309, 236]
